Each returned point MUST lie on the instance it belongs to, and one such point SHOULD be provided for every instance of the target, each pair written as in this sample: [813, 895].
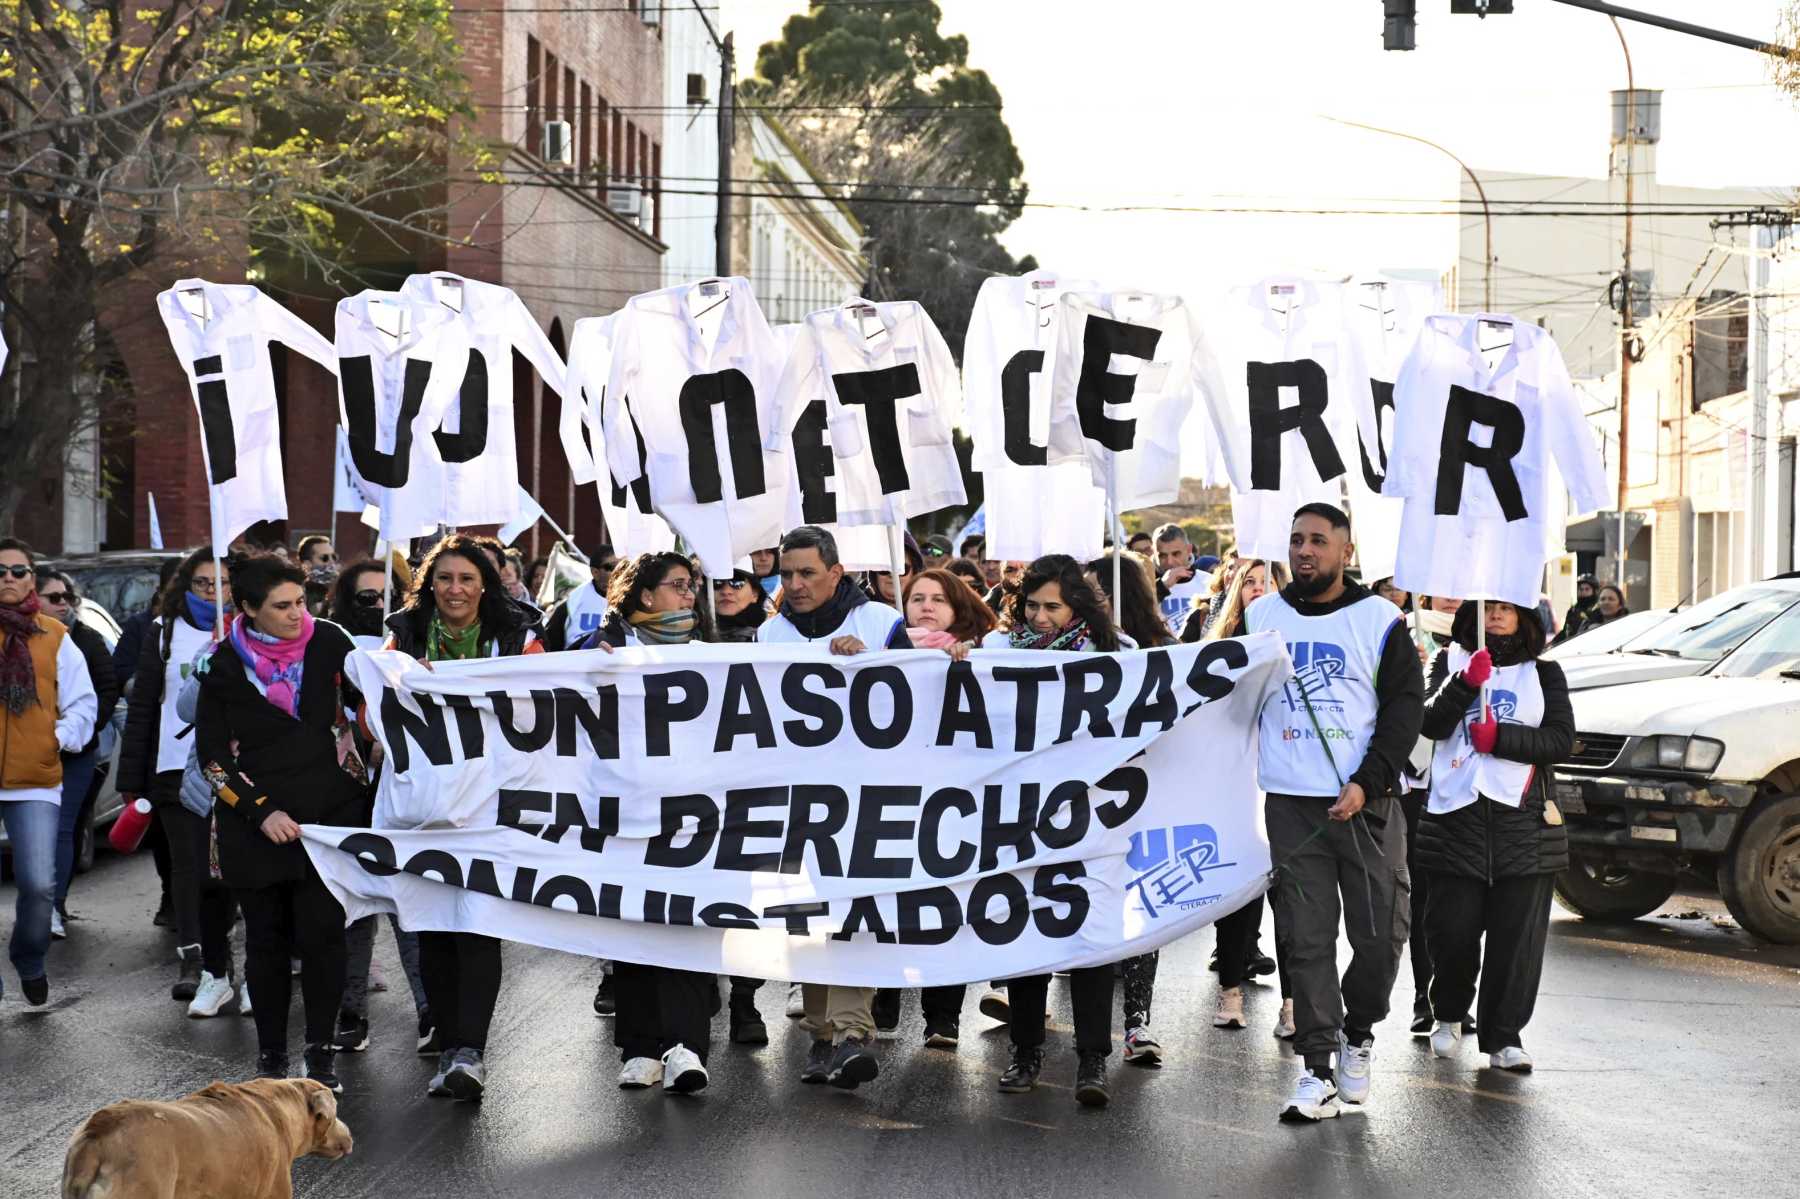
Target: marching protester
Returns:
[456, 610]
[153, 755]
[506, 564]
[1397, 596]
[581, 610]
[319, 559]
[663, 1024]
[47, 709]
[1236, 934]
[125, 654]
[1334, 741]
[1140, 626]
[1056, 608]
[1140, 543]
[274, 743]
[764, 568]
[512, 575]
[60, 599]
[737, 607]
[356, 608]
[969, 573]
[1587, 591]
[820, 603]
[881, 582]
[1609, 605]
[1490, 839]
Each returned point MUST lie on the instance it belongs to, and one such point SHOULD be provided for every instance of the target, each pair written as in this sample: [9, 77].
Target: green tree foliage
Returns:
[162, 135]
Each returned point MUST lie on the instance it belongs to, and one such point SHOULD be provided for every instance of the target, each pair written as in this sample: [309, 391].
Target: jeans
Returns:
[78, 777]
[31, 825]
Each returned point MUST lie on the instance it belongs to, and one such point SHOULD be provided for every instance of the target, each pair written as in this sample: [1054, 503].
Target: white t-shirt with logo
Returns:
[1458, 773]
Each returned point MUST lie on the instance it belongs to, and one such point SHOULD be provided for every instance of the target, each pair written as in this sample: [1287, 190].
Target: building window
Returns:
[585, 147]
[656, 191]
[551, 75]
[631, 140]
[533, 65]
[568, 96]
[616, 163]
[600, 163]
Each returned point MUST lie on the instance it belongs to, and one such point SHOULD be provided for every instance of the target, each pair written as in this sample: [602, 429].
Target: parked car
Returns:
[1695, 774]
[1604, 639]
[1679, 644]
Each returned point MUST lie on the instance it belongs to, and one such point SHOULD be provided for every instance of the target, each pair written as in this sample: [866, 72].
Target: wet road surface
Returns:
[1665, 1055]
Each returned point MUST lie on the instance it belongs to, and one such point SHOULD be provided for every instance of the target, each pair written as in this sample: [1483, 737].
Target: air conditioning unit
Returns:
[651, 11]
[696, 90]
[626, 200]
[559, 143]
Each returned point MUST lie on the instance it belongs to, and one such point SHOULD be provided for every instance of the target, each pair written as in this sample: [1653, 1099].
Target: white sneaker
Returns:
[1231, 1008]
[796, 1004]
[1284, 1023]
[640, 1072]
[212, 994]
[1142, 1047]
[244, 1008]
[995, 1005]
[682, 1071]
[1313, 1099]
[1511, 1058]
[1446, 1038]
[1353, 1069]
[57, 931]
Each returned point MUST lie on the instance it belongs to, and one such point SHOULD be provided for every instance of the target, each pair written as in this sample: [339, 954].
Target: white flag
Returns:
[529, 513]
[156, 541]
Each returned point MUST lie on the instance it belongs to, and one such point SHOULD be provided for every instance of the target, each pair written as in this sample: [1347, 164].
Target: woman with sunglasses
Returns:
[737, 607]
[456, 610]
[356, 608]
[663, 1016]
[152, 757]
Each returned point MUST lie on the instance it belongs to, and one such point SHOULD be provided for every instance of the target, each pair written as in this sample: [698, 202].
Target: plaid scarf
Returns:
[18, 677]
[1072, 636]
[665, 628]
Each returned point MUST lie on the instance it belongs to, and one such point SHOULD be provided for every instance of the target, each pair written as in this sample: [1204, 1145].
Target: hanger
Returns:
[194, 300]
[706, 289]
[442, 284]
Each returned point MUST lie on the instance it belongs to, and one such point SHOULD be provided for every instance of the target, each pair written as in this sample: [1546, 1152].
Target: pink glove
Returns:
[930, 639]
[1479, 669]
[1483, 733]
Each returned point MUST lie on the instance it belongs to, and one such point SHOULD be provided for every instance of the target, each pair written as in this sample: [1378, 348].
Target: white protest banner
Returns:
[890, 819]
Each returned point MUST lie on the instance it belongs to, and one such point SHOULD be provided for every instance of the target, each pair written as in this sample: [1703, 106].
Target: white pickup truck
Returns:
[1699, 772]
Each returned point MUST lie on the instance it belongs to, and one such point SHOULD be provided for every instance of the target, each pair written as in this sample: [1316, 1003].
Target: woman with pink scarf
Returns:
[269, 728]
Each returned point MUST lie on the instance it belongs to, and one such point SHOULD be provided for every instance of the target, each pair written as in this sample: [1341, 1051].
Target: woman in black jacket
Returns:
[457, 609]
[738, 607]
[1490, 839]
[270, 725]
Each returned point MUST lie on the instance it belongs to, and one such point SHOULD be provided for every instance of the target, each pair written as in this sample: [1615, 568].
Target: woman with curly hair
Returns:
[652, 601]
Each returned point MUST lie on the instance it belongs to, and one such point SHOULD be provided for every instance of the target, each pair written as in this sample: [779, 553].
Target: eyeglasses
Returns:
[54, 597]
[731, 584]
[17, 572]
[678, 586]
[368, 599]
[206, 586]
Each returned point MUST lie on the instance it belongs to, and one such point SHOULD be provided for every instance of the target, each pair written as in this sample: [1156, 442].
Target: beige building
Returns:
[799, 245]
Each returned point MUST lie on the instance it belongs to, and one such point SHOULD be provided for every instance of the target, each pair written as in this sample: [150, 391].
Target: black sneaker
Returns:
[271, 1065]
[352, 1034]
[1422, 1024]
[1022, 1075]
[1260, 965]
[747, 1027]
[1090, 1081]
[941, 1036]
[886, 1010]
[852, 1065]
[37, 990]
[188, 981]
[428, 1035]
[604, 1003]
[818, 1063]
[321, 1061]
[165, 915]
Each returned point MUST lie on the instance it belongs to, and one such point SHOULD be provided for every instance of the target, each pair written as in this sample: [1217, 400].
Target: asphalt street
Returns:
[1665, 1056]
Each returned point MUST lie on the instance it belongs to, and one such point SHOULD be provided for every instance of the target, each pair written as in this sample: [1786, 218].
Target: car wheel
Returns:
[1760, 877]
[1596, 890]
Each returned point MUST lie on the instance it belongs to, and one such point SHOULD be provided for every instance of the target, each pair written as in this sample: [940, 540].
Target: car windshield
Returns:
[1711, 629]
[1772, 652]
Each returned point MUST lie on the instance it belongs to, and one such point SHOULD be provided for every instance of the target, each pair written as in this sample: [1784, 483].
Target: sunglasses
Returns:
[54, 597]
[932, 551]
[733, 584]
[17, 572]
[368, 599]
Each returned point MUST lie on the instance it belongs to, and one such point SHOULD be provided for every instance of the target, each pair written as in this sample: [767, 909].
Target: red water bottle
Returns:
[129, 829]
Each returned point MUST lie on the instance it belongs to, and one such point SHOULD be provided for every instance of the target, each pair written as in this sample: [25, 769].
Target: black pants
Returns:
[283, 921]
[1139, 988]
[462, 984]
[1515, 915]
[157, 842]
[1237, 935]
[942, 1006]
[201, 902]
[1090, 992]
[660, 1008]
[1337, 874]
[1418, 948]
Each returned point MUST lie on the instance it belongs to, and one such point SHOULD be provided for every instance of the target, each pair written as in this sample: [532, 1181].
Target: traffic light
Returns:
[1397, 31]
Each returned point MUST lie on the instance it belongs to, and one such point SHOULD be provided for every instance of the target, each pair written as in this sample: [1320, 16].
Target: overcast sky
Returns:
[1208, 103]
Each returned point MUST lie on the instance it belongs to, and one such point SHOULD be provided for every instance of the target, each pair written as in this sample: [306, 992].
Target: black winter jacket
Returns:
[411, 632]
[1489, 840]
[143, 712]
[100, 669]
[259, 759]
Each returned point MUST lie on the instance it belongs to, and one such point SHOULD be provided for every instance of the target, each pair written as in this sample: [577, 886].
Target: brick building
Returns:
[573, 238]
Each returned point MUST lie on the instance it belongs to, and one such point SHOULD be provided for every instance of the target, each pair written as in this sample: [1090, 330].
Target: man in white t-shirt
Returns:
[1334, 741]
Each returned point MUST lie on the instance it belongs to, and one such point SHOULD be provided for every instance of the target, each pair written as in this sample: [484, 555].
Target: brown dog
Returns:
[226, 1141]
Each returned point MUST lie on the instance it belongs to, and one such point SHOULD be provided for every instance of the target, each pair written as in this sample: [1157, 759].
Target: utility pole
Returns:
[1763, 534]
[727, 134]
[1625, 338]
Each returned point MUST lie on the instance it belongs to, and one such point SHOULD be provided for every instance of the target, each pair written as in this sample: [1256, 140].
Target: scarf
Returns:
[18, 677]
[1072, 636]
[828, 616]
[277, 664]
[363, 621]
[203, 612]
[665, 628]
[442, 644]
[932, 638]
